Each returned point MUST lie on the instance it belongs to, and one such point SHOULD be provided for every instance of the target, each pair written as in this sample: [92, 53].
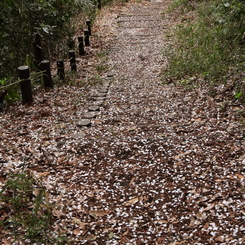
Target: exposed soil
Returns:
[160, 164]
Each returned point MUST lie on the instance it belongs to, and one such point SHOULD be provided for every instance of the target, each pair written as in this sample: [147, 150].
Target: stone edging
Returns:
[93, 110]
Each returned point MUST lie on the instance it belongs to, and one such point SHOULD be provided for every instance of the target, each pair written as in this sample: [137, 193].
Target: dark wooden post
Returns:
[71, 43]
[99, 4]
[88, 23]
[86, 37]
[80, 46]
[46, 74]
[38, 51]
[61, 69]
[25, 84]
[72, 60]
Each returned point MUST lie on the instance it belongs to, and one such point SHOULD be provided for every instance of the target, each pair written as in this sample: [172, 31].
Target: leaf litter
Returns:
[160, 164]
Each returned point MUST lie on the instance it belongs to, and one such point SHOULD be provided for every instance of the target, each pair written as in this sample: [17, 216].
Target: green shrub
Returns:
[28, 212]
[22, 21]
[211, 44]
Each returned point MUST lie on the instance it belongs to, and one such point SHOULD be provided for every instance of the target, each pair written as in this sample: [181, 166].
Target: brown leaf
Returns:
[239, 176]
[132, 181]
[209, 207]
[219, 239]
[3, 214]
[99, 213]
[132, 201]
[44, 174]
[36, 192]
[132, 128]
[57, 213]
[77, 221]
[77, 232]
[206, 226]
[124, 239]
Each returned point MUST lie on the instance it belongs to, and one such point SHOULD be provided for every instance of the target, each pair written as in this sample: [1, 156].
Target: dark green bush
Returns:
[213, 43]
[22, 21]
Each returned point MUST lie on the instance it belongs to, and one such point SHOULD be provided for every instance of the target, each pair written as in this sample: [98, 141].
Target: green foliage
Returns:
[96, 79]
[210, 45]
[21, 21]
[29, 216]
[27, 24]
[11, 95]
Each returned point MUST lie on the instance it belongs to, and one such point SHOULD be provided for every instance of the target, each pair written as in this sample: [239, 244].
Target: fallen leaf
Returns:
[44, 174]
[209, 207]
[132, 181]
[77, 232]
[36, 192]
[132, 128]
[219, 239]
[57, 213]
[124, 239]
[77, 221]
[206, 226]
[99, 213]
[132, 201]
[239, 176]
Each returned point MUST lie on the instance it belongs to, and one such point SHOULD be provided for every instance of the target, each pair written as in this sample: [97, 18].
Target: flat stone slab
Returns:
[98, 102]
[101, 94]
[78, 135]
[100, 98]
[104, 90]
[93, 108]
[84, 122]
[90, 114]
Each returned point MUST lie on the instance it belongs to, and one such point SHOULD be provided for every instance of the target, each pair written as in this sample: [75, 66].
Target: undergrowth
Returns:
[26, 213]
[210, 41]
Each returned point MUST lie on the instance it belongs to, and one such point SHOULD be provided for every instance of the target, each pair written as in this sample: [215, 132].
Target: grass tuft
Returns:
[210, 45]
[27, 213]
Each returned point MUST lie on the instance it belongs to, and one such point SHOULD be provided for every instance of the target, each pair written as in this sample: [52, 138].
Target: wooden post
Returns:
[88, 23]
[99, 4]
[25, 84]
[61, 69]
[38, 51]
[86, 37]
[80, 46]
[71, 43]
[46, 74]
[72, 60]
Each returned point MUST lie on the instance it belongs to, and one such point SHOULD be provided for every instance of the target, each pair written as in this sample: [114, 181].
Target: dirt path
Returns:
[171, 159]
[161, 164]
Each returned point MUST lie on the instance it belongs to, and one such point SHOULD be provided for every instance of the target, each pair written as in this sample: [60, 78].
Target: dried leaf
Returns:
[132, 201]
[57, 213]
[209, 207]
[77, 232]
[36, 192]
[124, 239]
[99, 213]
[243, 161]
[219, 239]
[44, 174]
[239, 176]
[206, 226]
[132, 181]
[77, 221]
[132, 128]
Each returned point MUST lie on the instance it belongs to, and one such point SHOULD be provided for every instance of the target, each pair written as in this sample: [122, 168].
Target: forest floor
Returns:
[159, 164]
